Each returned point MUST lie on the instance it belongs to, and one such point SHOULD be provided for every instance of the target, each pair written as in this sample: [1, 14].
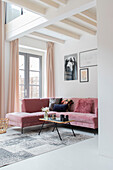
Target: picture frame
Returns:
[88, 58]
[71, 67]
[84, 75]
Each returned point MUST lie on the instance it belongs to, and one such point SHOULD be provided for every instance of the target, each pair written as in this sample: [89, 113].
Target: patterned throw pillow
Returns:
[53, 101]
[84, 106]
[67, 101]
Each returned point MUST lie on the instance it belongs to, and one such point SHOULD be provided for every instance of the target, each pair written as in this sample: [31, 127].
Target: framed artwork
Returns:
[88, 58]
[71, 67]
[84, 75]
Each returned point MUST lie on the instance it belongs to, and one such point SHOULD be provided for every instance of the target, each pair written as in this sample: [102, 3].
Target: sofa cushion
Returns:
[60, 107]
[79, 117]
[32, 105]
[53, 101]
[67, 101]
[84, 106]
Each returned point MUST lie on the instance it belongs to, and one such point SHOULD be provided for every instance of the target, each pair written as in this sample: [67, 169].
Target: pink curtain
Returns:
[50, 70]
[2, 61]
[13, 93]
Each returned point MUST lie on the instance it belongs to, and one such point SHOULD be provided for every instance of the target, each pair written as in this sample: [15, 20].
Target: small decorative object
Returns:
[64, 118]
[84, 75]
[53, 116]
[45, 109]
[67, 117]
[3, 125]
[70, 67]
[88, 58]
[61, 117]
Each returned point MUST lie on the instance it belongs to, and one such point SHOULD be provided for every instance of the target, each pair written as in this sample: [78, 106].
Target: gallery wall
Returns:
[74, 88]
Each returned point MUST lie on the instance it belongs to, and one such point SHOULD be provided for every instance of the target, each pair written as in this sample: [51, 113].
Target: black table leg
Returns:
[53, 129]
[41, 128]
[58, 131]
[22, 130]
[72, 129]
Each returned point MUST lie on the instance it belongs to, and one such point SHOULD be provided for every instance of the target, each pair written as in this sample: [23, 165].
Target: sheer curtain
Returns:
[2, 60]
[50, 70]
[13, 91]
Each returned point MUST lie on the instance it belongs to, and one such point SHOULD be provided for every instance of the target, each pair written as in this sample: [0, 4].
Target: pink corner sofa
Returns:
[31, 112]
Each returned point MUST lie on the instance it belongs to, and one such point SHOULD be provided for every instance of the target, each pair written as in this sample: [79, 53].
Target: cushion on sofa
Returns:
[84, 106]
[53, 101]
[67, 101]
[60, 107]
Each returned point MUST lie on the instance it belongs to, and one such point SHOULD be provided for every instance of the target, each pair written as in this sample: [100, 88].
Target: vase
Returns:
[46, 116]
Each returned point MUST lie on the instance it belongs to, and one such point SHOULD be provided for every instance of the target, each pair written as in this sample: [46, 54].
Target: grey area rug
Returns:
[16, 147]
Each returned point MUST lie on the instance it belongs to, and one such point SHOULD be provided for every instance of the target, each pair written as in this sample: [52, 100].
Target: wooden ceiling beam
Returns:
[89, 15]
[78, 26]
[50, 3]
[61, 2]
[63, 31]
[85, 19]
[45, 37]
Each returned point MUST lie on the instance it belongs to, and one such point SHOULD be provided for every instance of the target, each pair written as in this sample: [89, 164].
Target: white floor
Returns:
[81, 156]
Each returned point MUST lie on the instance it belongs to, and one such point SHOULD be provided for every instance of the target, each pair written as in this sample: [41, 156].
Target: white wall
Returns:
[33, 43]
[105, 81]
[75, 88]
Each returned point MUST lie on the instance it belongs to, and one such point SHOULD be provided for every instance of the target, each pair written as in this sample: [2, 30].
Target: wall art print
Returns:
[88, 58]
[71, 67]
[84, 75]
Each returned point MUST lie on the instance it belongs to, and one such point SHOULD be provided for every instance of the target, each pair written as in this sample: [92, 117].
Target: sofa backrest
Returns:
[34, 105]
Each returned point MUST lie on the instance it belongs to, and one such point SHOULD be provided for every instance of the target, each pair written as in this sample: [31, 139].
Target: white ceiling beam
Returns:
[44, 37]
[85, 19]
[89, 15]
[78, 26]
[61, 2]
[63, 31]
[50, 3]
[32, 6]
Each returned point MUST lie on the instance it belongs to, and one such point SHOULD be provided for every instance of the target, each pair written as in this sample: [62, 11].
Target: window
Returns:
[12, 12]
[30, 76]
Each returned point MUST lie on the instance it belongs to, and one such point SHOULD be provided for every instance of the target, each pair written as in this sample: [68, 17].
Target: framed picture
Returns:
[88, 58]
[84, 75]
[71, 67]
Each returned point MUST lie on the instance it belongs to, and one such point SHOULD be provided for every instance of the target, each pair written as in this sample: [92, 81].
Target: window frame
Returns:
[27, 70]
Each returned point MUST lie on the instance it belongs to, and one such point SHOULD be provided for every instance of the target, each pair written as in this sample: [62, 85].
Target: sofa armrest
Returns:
[96, 111]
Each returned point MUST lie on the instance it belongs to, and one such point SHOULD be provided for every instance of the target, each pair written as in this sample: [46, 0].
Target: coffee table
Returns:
[55, 123]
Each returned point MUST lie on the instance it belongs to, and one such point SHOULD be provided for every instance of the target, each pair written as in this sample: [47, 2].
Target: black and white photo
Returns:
[70, 67]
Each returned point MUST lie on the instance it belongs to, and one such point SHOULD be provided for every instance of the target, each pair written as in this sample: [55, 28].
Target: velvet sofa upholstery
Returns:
[31, 112]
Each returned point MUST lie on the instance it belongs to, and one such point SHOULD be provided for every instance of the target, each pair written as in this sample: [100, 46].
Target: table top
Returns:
[56, 120]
